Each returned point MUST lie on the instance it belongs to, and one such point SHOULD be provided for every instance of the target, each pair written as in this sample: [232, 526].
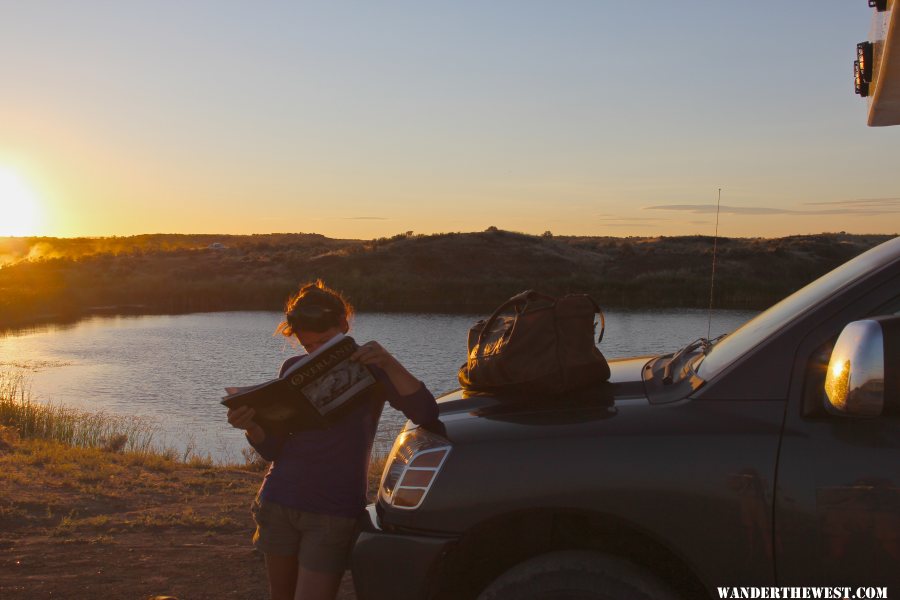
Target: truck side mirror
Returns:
[855, 382]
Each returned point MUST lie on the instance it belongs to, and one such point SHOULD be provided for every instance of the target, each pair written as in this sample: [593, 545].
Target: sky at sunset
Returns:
[367, 119]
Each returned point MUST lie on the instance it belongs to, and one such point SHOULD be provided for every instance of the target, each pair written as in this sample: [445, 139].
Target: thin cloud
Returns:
[704, 209]
[861, 202]
[366, 219]
[630, 224]
[632, 219]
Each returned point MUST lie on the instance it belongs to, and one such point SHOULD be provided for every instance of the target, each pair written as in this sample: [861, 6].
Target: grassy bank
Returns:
[90, 507]
[64, 279]
[73, 427]
[84, 522]
[131, 437]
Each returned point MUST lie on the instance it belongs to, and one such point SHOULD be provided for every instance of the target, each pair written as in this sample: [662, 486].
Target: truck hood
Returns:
[468, 414]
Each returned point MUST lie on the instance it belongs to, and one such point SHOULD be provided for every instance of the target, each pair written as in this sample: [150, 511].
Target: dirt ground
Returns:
[87, 523]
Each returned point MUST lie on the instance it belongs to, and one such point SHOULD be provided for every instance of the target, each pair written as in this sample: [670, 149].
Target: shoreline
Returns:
[46, 322]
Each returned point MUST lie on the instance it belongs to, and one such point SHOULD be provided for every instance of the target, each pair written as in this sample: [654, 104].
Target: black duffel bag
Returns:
[545, 347]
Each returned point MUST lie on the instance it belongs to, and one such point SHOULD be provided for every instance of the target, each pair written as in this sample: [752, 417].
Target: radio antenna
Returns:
[712, 281]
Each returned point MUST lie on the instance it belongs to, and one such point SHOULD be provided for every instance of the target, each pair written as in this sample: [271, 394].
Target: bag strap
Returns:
[598, 311]
[602, 320]
[522, 298]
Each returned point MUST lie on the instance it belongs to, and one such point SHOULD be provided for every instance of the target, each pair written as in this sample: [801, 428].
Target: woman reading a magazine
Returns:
[315, 490]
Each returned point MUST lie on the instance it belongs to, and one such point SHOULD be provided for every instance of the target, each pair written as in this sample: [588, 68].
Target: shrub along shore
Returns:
[59, 279]
[129, 436]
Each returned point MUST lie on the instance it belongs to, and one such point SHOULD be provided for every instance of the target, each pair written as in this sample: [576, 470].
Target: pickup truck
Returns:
[725, 464]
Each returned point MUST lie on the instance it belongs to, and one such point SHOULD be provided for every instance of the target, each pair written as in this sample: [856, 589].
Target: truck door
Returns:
[837, 496]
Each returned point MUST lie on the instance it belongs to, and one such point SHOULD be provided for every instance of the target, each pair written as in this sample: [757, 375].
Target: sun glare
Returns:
[19, 206]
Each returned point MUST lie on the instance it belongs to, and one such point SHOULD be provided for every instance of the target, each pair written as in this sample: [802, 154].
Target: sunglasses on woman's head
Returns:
[312, 312]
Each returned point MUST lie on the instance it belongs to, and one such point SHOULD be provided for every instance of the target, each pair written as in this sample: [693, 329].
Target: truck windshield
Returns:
[795, 306]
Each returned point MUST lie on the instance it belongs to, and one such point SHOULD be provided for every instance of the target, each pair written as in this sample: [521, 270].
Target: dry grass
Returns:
[90, 508]
[78, 445]
[123, 524]
[131, 436]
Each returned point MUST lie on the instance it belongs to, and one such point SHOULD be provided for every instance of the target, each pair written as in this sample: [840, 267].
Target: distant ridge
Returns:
[65, 278]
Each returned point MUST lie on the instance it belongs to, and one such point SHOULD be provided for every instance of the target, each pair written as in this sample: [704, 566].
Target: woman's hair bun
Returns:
[315, 307]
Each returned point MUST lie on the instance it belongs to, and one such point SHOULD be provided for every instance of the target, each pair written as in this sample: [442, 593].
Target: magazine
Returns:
[312, 393]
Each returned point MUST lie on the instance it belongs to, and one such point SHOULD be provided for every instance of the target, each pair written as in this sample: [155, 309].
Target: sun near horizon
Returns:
[20, 206]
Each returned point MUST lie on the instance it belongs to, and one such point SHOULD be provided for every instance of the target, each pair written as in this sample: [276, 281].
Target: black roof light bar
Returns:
[863, 67]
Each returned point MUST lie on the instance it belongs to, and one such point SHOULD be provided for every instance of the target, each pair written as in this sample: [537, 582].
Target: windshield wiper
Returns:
[704, 344]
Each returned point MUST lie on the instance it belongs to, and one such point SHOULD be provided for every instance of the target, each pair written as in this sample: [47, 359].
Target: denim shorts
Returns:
[320, 542]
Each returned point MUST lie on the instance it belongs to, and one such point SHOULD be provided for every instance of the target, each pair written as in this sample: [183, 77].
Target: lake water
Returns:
[172, 369]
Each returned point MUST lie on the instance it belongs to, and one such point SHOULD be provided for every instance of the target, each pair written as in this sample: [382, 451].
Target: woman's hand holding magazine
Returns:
[242, 418]
[373, 354]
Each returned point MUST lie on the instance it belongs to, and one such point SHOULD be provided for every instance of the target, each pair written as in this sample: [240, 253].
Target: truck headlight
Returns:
[412, 467]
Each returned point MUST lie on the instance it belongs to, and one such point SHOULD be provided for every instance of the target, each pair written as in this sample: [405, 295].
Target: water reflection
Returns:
[173, 368]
